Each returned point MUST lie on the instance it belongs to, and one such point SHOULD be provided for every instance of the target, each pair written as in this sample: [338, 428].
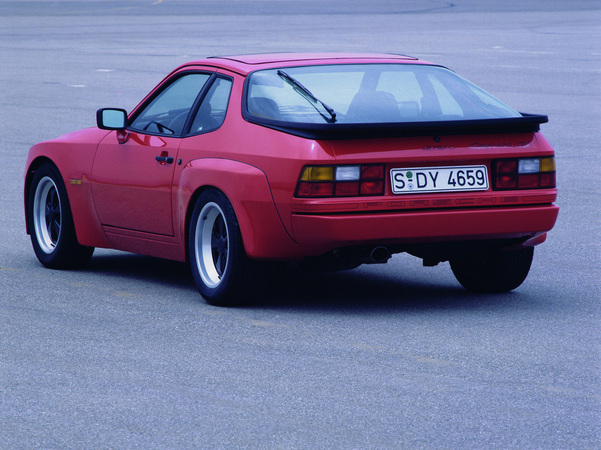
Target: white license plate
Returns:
[439, 179]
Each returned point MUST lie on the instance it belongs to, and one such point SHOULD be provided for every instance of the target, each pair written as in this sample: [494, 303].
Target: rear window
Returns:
[369, 93]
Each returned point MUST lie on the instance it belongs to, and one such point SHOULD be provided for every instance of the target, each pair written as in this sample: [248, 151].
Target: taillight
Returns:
[341, 181]
[524, 173]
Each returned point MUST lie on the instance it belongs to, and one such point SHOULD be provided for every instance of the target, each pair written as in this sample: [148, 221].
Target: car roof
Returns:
[244, 64]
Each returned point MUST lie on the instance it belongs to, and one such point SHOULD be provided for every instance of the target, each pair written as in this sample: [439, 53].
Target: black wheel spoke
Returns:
[54, 230]
[53, 215]
[219, 245]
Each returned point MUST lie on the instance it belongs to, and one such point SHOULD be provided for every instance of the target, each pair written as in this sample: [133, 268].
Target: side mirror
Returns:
[111, 119]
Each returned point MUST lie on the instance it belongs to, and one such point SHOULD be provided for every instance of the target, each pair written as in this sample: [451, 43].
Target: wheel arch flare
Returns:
[247, 188]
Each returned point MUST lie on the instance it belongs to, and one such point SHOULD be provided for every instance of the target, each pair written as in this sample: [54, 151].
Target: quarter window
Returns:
[211, 113]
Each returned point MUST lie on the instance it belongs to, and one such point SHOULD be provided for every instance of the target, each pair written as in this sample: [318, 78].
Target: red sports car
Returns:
[332, 160]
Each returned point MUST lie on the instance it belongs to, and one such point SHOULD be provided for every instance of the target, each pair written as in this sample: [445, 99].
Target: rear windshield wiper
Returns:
[306, 93]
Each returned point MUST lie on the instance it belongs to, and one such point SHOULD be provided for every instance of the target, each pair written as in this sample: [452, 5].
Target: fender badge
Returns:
[75, 182]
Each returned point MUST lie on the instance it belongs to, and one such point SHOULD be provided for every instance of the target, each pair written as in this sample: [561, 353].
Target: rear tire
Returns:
[223, 273]
[52, 230]
[493, 272]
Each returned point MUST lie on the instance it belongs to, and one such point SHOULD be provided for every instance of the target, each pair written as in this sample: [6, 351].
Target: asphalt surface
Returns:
[126, 354]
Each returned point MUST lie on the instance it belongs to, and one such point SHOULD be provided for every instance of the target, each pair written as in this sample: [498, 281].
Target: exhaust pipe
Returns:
[380, 255]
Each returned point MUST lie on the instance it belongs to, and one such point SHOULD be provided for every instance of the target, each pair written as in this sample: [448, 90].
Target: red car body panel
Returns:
[123, 198]
[73, 155]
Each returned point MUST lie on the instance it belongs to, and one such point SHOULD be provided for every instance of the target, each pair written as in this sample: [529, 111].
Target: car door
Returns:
[132, 180]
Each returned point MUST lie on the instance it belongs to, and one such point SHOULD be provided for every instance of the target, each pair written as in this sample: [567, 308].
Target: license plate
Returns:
[439, 179]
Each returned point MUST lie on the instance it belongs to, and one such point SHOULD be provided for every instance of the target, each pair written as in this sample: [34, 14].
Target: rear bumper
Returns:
[317, 234]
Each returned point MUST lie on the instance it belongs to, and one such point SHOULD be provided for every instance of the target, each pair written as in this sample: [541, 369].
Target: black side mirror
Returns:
[111, 119]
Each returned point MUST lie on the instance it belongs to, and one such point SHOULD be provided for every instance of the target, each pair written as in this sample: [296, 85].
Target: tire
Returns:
[493, 272]
[223, 273]
[49, 214]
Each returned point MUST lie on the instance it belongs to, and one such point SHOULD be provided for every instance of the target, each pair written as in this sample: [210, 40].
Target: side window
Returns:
[166, 113]
[211, 112]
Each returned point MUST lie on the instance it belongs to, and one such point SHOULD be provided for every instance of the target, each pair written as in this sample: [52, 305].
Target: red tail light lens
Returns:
[315, 189]
[507, 166]
[372, 172]
[341, 181]
[372, 188]
[524, 173]
[347, 189]
[547, 180]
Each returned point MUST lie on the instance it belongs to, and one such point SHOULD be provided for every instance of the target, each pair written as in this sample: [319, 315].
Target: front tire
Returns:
[52, 230]
[223, 273]
[493, 272]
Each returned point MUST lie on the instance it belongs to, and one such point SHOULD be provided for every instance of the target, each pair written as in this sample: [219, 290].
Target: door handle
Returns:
[164, 159]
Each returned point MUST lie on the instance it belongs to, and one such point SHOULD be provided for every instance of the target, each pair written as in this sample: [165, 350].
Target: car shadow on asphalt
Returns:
[360, 290]
[142, 268]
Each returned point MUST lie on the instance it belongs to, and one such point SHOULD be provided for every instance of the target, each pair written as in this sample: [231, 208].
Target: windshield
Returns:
[370, 93]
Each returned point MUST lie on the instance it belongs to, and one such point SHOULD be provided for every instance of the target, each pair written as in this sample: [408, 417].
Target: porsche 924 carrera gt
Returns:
[235, 163]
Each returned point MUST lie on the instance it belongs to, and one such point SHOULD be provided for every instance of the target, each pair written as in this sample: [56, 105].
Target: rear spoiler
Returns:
[528, 123]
